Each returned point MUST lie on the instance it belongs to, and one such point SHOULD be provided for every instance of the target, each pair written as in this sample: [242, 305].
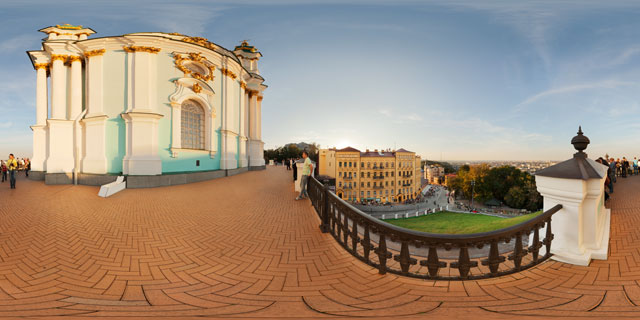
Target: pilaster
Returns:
[141, 119]
[94, 122]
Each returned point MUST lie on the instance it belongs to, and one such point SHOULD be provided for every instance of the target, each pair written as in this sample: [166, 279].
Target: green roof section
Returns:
[244, 46]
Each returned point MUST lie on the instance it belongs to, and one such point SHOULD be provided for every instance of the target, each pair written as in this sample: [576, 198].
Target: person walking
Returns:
[27, 166]
[12, 166]
[612, 174]
[635, 166]
[3, 168]
[307, 168]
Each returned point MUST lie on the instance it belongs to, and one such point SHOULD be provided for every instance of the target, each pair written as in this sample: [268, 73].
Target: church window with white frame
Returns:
[192, 126]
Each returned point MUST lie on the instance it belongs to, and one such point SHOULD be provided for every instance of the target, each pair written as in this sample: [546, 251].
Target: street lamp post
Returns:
[473, 183]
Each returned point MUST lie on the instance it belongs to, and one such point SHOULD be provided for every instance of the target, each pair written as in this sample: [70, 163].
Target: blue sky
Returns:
[461, 79]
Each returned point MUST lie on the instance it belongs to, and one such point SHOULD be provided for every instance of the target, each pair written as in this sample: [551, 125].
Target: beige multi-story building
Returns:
[384, 176]
[434, 174]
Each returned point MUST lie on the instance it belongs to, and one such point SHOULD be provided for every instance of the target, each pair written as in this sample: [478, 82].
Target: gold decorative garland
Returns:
[93, 53]
[44, 66]
[61, 57]
[131, 49]
[195, 57]
[243, 85]
[74, 58]
[228, 73]
[259, 98]
[200, 41]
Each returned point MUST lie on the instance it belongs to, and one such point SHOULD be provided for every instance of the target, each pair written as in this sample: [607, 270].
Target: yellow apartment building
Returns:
[383, 176]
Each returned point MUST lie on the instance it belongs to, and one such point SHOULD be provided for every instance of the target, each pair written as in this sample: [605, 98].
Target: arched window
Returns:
[192, 126]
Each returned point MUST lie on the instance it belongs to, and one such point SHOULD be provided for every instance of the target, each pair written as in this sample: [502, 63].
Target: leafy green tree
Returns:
[516, 197]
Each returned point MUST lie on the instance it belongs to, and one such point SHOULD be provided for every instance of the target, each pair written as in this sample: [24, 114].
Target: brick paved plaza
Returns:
[242, 247]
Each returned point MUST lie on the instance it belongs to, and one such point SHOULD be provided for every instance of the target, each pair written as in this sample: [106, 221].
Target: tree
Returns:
[516, 197]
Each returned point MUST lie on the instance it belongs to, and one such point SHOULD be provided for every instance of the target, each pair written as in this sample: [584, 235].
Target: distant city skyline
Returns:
[471, 80]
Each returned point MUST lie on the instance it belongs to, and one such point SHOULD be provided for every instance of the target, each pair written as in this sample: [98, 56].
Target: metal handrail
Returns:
[369, 235]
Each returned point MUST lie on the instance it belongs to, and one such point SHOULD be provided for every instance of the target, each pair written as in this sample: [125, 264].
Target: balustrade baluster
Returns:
[325, 209]
[383, 255]
[345, 230]
[464, 264]
[332, 214]
[338, 223]
[354, 237]
[534, 248]
[548, 238]
[366, 242]
[432, 263]
[494, 259]
[518, 253]
[405, 258]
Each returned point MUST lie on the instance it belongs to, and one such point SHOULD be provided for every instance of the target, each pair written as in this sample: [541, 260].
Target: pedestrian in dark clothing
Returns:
[3, 168]
[12, 166]
[295, 170]
[27, 166]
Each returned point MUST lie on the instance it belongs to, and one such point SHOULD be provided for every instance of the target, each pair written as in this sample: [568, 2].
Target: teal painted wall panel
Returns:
[115, 144]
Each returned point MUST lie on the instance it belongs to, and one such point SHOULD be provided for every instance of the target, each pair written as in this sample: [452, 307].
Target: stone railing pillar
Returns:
[581, 227]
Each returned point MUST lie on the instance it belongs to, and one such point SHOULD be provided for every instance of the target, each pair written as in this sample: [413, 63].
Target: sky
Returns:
[451, 80]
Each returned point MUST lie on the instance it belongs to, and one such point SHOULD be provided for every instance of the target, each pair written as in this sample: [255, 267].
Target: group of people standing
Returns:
[618, 168]
[10, 167]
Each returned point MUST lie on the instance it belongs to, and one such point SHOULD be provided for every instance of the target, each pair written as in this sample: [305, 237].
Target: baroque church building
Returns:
[144, 105]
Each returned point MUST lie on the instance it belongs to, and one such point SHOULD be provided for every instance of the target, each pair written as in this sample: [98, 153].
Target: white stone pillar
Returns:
[256, 155]
[41, 94]
[142, 118]
[259, 118]
[58, 87]
[244, 161]
[229, 122]
[581, 227]
[253, 127]
[39, 129]
[94, 160]
[76, 87]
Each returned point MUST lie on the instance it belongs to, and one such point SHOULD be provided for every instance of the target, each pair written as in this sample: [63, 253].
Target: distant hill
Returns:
[300, 145]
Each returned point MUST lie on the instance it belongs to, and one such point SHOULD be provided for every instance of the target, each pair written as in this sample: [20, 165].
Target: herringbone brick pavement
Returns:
[242, 247]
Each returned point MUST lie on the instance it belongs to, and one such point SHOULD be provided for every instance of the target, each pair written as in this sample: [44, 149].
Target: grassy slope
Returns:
[459, 223]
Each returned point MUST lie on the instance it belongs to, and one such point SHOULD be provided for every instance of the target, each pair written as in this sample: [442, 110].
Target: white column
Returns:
[58, 87]
[253, 128]
[259, 118]
[41, 94]
[39, 129]
[256, 155]
[243, 128]
[76, 87]
[95, 160]
[229, 123]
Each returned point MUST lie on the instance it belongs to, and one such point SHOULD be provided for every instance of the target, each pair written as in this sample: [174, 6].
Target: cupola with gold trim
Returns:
[67, 32]
[248, 55]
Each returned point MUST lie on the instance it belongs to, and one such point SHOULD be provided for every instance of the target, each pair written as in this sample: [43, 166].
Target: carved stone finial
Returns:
[580, 141]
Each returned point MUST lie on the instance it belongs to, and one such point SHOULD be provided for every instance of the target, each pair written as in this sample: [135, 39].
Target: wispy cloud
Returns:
[18, 43]
[399, 117]
[5, 125]
[607, 84]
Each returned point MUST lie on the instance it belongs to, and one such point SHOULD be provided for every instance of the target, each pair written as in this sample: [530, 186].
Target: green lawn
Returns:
[459, 223]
